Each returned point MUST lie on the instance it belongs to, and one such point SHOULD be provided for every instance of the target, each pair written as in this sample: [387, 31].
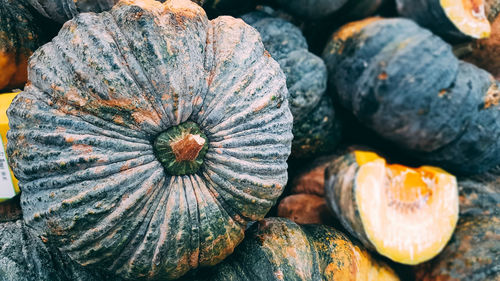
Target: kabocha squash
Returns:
[473, 253]
[20, 35]
[25, 257]
[405, 83]
[448, 18]
[319, 9]
[277, 249]
[63, 10]
[149, 136]
[406, 214]
[316, 129]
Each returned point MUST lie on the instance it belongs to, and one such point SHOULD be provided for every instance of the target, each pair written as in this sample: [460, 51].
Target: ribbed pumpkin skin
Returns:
[473, 253]
[82, 133]
[63, 10]
[277, 249]
[20, 35]
[316, 129]
[24, 257]
[405, 84]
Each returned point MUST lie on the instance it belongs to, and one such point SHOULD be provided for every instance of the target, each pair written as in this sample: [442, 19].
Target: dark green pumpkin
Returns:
[319, 9]
[405, 83]
[25, 257]
[63, 10]
[316, 129]
[82, 140]
[277, 249]
[473, 253]
[20, 35]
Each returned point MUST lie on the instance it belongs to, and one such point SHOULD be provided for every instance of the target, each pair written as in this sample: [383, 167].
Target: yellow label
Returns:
[8, 183]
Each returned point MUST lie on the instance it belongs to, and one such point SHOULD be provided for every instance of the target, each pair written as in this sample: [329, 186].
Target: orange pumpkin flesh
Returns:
[408, 214]
[468, 16]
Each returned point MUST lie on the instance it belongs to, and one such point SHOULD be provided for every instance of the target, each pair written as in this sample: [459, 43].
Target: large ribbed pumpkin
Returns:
[277, 249]
[149, 136]
[25, 257]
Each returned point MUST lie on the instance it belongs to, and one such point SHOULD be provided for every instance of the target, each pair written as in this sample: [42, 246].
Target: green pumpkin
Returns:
[316, 129]
[320, 9]
[277, 249]
[25, 257]
[87, 140]
[473, 253]
[63, 10]
[404, 83]
[20, 35]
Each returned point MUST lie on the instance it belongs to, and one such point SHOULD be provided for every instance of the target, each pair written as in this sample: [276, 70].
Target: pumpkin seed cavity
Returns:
[181, 149]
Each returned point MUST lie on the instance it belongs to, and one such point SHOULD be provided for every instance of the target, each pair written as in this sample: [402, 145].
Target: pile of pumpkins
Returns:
[251, 140]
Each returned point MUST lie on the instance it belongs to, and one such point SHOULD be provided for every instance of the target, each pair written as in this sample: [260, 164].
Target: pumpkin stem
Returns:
[187, 148]
[181, 149]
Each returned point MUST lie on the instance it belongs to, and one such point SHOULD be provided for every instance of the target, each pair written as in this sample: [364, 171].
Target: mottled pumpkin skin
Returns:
[473, 253]
[20, 35]
[405, 83]
[63, 10]
[82, 133]
[340, 194]
[24, 257]
[316, 129]
[278, 249]
[318, 133]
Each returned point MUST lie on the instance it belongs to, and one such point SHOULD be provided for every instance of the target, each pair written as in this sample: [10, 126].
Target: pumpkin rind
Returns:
[278, 249]
[63, 10]
[24, 257]
[316, 129]
[81, 137]
[20, 35]
[405, 83]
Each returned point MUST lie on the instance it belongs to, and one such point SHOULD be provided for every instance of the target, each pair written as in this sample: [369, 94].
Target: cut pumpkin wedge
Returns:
[468, 16]
[406, 214]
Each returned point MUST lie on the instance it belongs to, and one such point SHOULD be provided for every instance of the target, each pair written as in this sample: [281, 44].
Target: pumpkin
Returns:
[404, 83]
[406, 214]
[20, 35]
[319, 9]
[24, 257]
[149, 136]
[453, 20]
[316, 129]
[278, 249]
[306, 204]
[63, 10]
[474, 250]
